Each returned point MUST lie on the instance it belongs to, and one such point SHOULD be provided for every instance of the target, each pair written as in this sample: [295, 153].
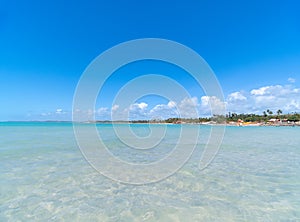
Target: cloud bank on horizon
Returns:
[272, 97]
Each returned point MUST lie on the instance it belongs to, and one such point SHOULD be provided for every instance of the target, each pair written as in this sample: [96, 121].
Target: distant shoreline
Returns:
[268, 118]
[247, 124]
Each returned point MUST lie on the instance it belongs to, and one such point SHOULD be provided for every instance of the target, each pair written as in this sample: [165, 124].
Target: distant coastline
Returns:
[231, 119]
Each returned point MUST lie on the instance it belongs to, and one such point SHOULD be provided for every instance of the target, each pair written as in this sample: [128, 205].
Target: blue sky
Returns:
[252, 46]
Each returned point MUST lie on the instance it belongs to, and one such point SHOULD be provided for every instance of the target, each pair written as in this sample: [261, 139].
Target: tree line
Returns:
[234, 117]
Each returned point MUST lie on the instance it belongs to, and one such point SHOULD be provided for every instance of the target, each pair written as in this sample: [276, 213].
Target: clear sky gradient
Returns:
[252, 46]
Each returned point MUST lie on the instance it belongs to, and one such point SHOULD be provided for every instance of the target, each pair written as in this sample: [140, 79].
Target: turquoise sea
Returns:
[44, 177]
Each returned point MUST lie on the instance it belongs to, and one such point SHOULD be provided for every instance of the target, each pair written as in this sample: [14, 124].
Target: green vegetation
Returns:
[265, 117]
[234, 117]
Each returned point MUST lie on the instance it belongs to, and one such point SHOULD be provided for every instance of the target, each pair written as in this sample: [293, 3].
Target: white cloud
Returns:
[275, 90]
[84, 115]
[137, 111]
[140, 106]
[164, 111]
[58, 111]
[211, 105]
[58, 114]
[236, 96]
[115, 107]
[171, 104]
[293, 105]
[238, 102]
[273, 97]
[159, 107]
[291, 80]
[192, 102]
[188, 107]
[261, 91]
[103, 111]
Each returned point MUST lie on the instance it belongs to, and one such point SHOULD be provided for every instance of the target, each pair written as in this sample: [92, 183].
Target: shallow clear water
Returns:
[254, 177]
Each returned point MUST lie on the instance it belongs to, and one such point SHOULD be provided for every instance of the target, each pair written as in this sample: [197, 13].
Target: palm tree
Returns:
[279, 112]
[269, 112]
[265, 114]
